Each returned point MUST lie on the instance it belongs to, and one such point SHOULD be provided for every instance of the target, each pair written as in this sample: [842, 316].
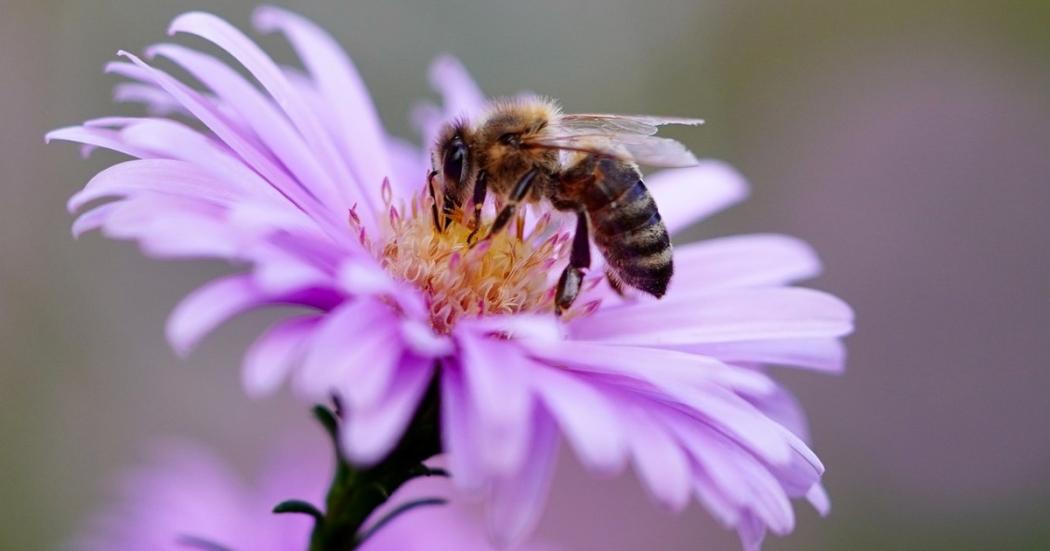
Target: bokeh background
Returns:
[908, 141]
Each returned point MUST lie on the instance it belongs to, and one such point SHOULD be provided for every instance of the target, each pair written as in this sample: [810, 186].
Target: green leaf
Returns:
[300, 507]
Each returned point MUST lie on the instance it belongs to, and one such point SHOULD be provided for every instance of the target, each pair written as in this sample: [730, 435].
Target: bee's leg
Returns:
[480, 189]
[579, 260]
[520, 191]
[615, 283]
[438, 225]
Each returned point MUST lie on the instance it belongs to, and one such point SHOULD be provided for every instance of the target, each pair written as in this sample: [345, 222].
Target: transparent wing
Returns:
[604, 123]
[622, 136]
[644, 149]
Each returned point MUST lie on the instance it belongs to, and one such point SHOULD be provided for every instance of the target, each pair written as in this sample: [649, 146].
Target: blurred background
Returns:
[908, 141]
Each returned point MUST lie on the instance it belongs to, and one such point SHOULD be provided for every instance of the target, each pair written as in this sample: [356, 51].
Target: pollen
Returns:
[509, 273]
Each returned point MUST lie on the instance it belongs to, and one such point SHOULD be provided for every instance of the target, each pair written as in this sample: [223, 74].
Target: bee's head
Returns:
[453, 160]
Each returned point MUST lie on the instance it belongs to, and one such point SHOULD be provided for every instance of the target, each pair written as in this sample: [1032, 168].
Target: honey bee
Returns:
[527, 151]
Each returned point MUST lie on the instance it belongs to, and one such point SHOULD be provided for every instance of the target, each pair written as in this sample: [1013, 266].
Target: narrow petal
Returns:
[740, 261]
[818, 498]
[270, 125]
[206, 308]
[459, 434]
[344, 93]
[175, 178]
[827, 355]
[356, 337]
[661, 463]
[734, 315]
[227, 37]
[211, 117]
[421, 339]
[743, 479]
[751, 530]
[369, 434]
[495, 376]
[686, 195]
[173, 140]
[156, 101]
[533, 327]
[587, 418]
[461, 95]
[660, 367]
[714, 499]
[782, 407]
[739, 420]
[517, 501]
[93, 219]
[273, 354]
[95, 137]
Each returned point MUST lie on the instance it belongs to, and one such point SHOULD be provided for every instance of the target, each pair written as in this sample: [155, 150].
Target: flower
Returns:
[298, 181]
[186, 497]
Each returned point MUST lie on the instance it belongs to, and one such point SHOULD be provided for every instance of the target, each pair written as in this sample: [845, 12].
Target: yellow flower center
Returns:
[508, 273]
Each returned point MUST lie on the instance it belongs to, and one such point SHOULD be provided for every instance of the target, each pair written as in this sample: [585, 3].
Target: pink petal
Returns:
[495, 375]
[96, 137]
[818, 498]
[714, 499]
[658, 366]
[344, 93]
[732, 315]
[751, 530]
[661, 463]
[369, 434]
[461, 95]
[157, 102]
[740, 261]
[356, 340]
[175, 178]
[459, 433]
[533, 327]
[586, 417]
[741, 477]
[270, 125]
[207, 307]
[211, 117]
[686, 195]
[517, 501]
[782, 407]
[738, 419]
[827, 355]
[93, 219]
[272, 355]
[169, 139]
[420, 338]
[227, 37]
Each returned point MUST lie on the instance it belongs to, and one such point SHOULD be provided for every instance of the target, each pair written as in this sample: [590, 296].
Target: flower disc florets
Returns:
[462, 275]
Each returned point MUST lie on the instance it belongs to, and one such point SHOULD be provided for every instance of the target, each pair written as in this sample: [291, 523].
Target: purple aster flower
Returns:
[185, 497]
[297, 180]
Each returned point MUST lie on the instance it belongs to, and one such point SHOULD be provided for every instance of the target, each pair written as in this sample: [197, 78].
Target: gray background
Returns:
[907, 141]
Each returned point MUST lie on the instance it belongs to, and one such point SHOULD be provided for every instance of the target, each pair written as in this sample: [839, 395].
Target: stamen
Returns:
[504, 274]
[386, 192]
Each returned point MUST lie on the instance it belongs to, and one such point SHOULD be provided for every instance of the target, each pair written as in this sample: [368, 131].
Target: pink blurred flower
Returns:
[299, 182]
[185, 497]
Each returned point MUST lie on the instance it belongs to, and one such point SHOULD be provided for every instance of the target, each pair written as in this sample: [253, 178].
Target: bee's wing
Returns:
[645, 149]
[605, 123]
[621, 136]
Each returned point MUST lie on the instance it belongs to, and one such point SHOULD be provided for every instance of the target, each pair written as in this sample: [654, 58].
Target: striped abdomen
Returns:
[628, 230]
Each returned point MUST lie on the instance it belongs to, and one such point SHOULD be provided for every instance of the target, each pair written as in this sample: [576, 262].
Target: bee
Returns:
[527, 151]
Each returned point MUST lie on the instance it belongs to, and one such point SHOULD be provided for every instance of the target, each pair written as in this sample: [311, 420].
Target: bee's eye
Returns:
[510, 138]
[455, 162]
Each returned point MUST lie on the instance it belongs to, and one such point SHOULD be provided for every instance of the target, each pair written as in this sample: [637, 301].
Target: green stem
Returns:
[356, 493]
